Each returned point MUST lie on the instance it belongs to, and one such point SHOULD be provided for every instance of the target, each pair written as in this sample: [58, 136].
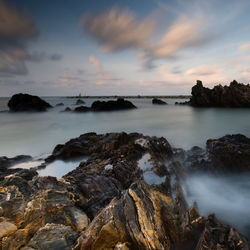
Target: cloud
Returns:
[16, 31]
[119, 29]
[245, 47]
[101, 76]
[15, 27]
[207, 73]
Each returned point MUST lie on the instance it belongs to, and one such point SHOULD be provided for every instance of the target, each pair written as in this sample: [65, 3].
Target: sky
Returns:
[122, 47]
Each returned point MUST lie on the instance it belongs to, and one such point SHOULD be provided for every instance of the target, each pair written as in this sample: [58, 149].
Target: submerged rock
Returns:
[25, 102]
[119, 104]
[158, 101]
[59, 104]
[82, 109]
[79, 102]
[234, 95]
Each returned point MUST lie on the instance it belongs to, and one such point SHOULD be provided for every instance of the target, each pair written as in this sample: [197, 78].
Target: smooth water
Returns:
[36, 134]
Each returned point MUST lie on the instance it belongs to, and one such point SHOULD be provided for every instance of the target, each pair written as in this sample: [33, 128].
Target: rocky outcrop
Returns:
[158, 101]
[26, 102]
[228, 154]
[119, 104]
[126, 195]
[234, 95]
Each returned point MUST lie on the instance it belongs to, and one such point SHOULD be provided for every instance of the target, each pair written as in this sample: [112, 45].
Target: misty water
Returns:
[36, 134]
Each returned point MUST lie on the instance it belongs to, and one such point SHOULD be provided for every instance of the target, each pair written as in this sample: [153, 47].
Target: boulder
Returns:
[158, 101]
[235, 95]
[119, 104]
[25, 102]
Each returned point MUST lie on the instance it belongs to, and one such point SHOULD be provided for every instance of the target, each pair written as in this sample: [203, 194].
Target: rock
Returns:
[6, 162]
[119, 104]
[59, 104]
[230, 153]
[6, 228]
[158, 101]
[67, 109]
[234, 95]
[79, 102]
[53, 236]
[25, 102]
[82, 109]
[182, 103]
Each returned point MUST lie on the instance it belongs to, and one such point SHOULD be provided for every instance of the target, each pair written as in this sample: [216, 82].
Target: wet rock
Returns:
[79, 102]
[6, 228]
[119, 104]
[53, 236]
[82, 109]
[230, 153]
[6, 162]
[158, 101]
[59, 104]
[234, 95]
[25, 102]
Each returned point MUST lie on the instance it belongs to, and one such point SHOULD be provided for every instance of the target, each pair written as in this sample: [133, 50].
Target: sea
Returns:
[37, 134]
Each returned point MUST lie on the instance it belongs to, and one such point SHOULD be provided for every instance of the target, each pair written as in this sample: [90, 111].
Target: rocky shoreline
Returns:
[127, 195]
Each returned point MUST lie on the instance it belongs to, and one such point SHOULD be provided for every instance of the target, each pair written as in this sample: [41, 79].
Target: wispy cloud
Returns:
[101, 76]
[244, 47]
[119, 29]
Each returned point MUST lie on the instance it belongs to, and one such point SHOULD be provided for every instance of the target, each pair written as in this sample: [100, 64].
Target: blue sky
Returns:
[122, 47]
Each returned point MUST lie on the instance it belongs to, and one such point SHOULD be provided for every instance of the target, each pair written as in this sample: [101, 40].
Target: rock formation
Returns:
[158, 101]
[119, 104]
[26, 102]
[234, 95]
[127, 195]
[79, 102]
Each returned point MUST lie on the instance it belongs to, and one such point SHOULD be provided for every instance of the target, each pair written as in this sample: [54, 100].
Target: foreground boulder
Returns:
[228, 154]
[234, 95]
[158, 101]
[26, 102]
[119, 104]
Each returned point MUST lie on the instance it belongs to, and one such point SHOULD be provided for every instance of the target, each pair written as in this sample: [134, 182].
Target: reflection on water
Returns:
[228, 197]
[59, 168]
[28, 164]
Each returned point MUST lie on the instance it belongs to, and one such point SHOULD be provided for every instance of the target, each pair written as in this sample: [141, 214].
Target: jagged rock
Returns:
[53, 236]
[119, 104]
[230, 153]
[158, 101]
[59, 104]
[25, 102]
[234, 95]
[79, 102]
[82, 109]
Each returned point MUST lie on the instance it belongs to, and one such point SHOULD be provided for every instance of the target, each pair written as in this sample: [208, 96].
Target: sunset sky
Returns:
[123, 47]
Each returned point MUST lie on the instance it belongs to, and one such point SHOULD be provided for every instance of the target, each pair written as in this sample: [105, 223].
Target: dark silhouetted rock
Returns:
[158, 101]
[8, 162]
[82, 109]
[234, 95]
[182, 103]
[119, 104]
[79, 102]
[59, 104]
[25, 102]
[67, 109]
